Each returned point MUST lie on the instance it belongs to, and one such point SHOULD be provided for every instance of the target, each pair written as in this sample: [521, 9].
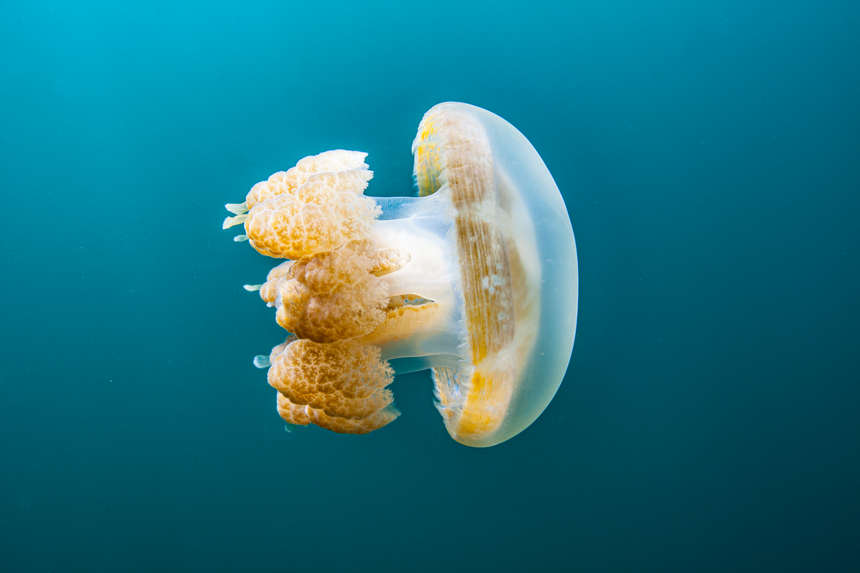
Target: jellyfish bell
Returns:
[518, 214]
[475, 279]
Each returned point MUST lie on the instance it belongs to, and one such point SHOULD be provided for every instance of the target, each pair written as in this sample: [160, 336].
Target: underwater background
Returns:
[709, 157]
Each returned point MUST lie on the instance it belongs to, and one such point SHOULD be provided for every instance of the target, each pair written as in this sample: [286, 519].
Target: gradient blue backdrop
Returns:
[708, 153]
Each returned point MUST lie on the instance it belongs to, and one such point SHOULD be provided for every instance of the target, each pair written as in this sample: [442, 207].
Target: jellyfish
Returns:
[475, 279]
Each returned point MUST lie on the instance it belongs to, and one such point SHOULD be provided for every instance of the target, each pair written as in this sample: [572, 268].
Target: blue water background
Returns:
[709, 156]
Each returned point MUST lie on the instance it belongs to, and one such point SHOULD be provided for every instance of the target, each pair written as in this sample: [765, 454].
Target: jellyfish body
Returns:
[476, 279]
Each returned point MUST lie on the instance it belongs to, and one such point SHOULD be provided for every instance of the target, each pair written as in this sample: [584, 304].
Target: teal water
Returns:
[709, 156]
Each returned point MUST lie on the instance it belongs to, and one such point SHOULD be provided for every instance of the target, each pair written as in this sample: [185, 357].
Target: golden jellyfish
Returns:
[475, 279]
